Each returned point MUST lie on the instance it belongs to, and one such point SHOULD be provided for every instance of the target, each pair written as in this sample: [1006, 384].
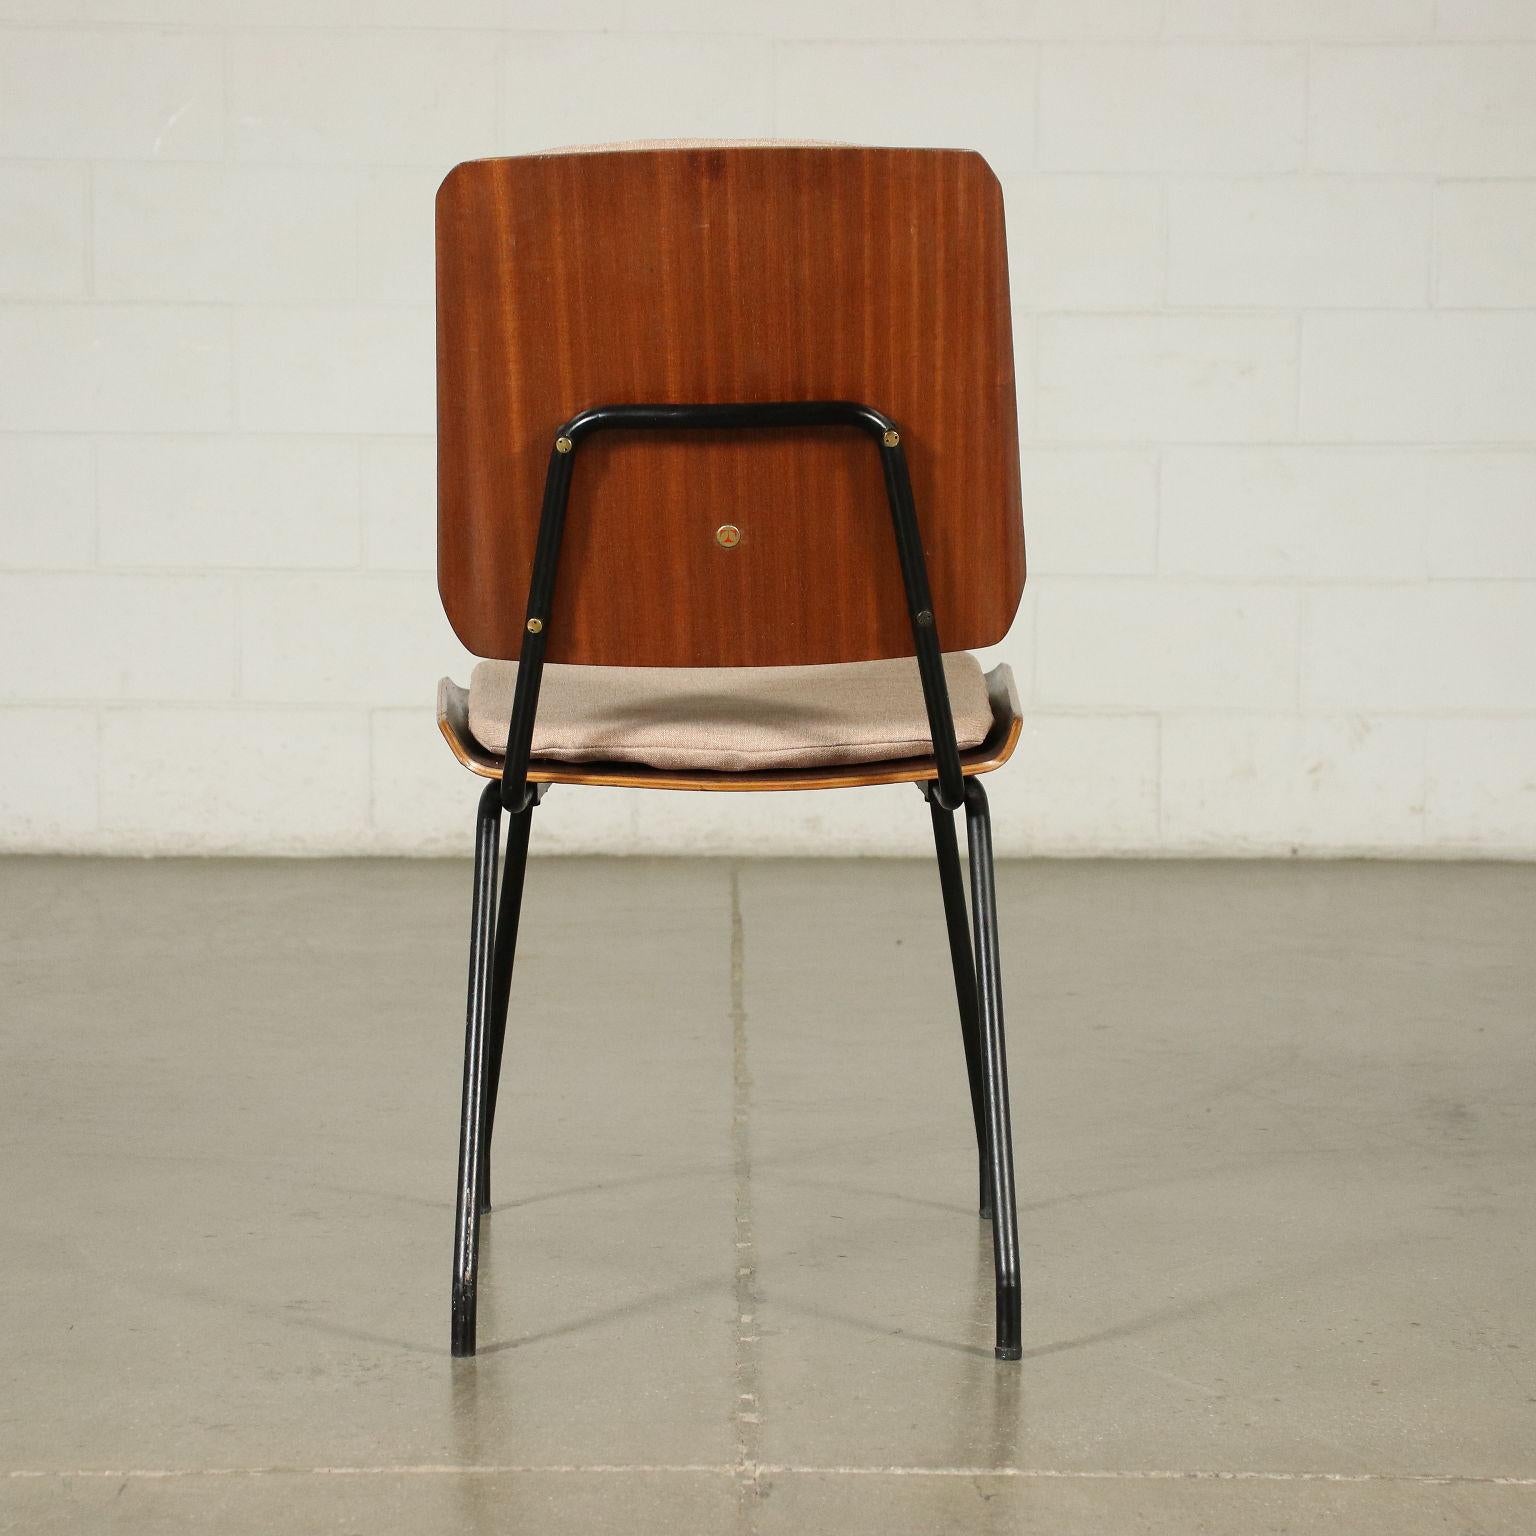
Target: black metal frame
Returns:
[493, 939]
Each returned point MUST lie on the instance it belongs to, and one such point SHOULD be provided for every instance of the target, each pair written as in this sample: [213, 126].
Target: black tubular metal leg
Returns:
[953, 885]
[482, 933]
[994, 1066]
[977, 980]
[514, 868]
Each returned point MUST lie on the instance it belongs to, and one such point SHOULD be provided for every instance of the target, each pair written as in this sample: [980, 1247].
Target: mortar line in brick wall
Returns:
[234, 572]
[1173, 578]
[1174, 309]
[1047, 709]
[373, 792]
[508, 31]
[358, 196]
[1431, 298]
[95, 503]
[499, 91]
[339, 436]
[344, 164]
[1424, 779]
[226, 105]
[88, 191]
[1032, 340]
[1245, 311]
[1334, 445]
[1021, 306]
[1034, 654]
[1424, 43]
[1168, 578]
[199, 569]
[232, 330]
[1165, 214]
[1169, 311]
[238, 306]
[221, 705]
[1037, 70]
[1303, 613]
[1524, 445]
[1296, 392]
[1050, 709]
[100, 751]
[238, 638]
[774, 61]
[360, 450]
[341, 167]
[1306, 110]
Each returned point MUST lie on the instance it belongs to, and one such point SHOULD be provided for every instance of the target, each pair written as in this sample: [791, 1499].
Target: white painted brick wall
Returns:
[1448, 110]
[1192, 645]
[89, 367]
[42, 230]
[1454, 377]
[1177, 108]
[1166, 378]
[1486, 254]
[1274, 268]
[1298, 242]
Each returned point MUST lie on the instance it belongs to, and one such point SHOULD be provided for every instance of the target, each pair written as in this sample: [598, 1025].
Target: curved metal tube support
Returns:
[766, 414]
[466, 1221]
[514, 869]
[952, 884]
[994, 1071]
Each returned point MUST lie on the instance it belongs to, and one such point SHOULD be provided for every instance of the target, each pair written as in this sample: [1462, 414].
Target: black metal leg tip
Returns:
[986, 1212]
[463, 1333]
[1010, 1331]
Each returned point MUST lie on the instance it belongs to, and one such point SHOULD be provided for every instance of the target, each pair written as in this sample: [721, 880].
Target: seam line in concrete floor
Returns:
[767, 1468]
[744, 1411]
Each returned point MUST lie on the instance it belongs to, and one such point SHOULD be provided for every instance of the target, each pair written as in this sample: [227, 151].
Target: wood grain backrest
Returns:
[717, 274]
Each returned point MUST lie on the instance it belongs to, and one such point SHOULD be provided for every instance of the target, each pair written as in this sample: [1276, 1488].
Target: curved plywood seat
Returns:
[993, 752]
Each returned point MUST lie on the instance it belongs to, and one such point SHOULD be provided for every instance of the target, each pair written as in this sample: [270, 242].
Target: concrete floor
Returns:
[1277, 1168]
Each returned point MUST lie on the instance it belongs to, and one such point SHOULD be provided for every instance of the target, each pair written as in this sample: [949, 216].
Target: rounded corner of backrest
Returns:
[450, 181]
[481, 647]
[988, 174]
[1001, 617]
[448, 205]
[447, 598]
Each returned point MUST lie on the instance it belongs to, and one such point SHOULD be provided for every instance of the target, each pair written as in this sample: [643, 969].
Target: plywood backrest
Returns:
[719, 274]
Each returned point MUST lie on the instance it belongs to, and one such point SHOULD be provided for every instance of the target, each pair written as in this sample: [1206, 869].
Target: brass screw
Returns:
[562, 445]
[535, 626]
[891, 438]
[727, 536]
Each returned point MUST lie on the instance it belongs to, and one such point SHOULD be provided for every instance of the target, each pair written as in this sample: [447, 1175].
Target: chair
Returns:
[726, 438]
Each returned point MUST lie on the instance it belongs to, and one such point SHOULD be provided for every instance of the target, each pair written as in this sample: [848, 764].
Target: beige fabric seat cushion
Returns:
[731, 719]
